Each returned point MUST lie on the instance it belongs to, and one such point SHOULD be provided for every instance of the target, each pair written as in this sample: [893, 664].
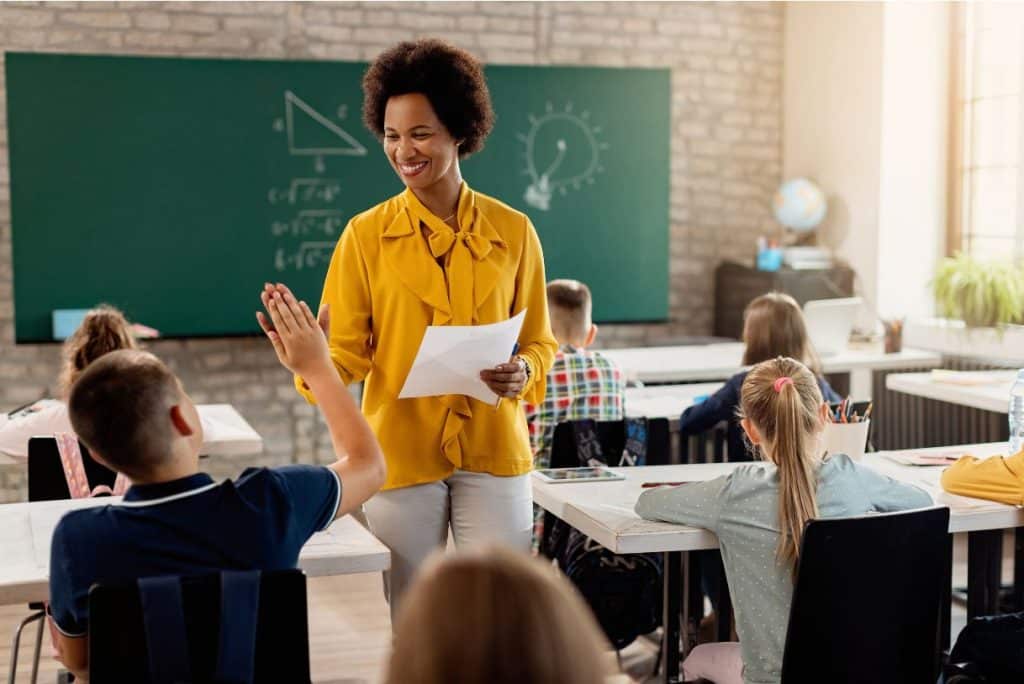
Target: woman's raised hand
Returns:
[297, 336]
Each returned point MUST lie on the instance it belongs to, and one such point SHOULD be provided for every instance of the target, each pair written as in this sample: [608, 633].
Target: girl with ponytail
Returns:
[759, 511]
[103, 330]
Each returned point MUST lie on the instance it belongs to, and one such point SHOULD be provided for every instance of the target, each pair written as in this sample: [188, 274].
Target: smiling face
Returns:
[419, 147]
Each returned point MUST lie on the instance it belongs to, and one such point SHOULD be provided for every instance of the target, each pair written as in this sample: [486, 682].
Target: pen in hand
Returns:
[515, 350]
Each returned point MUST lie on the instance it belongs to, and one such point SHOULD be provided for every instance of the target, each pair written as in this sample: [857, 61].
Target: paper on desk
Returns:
[451, 357]
[965, 378]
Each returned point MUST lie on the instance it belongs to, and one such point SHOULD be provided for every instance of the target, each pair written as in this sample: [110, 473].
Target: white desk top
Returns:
[225, 432]
[721, 361]
[346, 547]
[987, 396]
[604, 510]
[665, 401]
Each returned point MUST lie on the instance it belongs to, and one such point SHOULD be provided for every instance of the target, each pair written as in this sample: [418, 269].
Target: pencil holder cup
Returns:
[893, 336]
[847, 438]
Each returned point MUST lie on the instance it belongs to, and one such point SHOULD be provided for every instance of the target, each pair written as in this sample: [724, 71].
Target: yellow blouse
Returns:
[385, 286]
[997, 478]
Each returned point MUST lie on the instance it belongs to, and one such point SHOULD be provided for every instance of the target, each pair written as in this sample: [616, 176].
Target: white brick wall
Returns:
[726, 61]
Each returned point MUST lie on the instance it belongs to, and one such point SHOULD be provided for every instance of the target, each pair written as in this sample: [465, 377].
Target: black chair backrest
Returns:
[118, 652]
[46, 481]
[612, 436]
[867, 600]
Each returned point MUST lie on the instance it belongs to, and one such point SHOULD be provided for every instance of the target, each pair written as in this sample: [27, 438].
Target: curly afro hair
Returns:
[452, 79]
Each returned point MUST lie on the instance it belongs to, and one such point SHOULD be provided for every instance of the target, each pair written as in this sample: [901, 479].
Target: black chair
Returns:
[867, 601]
[119, 652]
[612, 436]
[46, 481]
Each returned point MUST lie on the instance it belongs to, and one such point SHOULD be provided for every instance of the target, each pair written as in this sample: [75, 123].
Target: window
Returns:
[987, 184]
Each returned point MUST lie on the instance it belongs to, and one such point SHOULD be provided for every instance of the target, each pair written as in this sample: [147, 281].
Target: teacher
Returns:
[439, 253]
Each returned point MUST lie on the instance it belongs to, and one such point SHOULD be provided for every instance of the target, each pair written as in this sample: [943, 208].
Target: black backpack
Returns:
[989, 650]
[623, 590]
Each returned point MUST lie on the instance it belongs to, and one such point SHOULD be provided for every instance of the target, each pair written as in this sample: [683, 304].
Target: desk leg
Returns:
[1018, 569]
[673, 581]
[946, 609]
[984, 565]
[723, 628]
[693, 602]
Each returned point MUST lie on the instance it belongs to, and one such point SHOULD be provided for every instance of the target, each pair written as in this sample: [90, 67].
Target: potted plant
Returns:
[981, 294]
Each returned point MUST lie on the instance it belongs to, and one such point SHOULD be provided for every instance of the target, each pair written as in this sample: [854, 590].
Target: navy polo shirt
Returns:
[186, 527]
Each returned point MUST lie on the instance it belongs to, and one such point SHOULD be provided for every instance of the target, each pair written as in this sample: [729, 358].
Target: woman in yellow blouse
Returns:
[438, 254]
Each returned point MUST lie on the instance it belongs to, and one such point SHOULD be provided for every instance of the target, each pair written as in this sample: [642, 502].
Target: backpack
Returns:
[992, 650]
[74, 471]
[623, 590]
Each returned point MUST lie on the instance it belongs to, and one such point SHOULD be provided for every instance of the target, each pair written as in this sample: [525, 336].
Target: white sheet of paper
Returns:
[451, 357]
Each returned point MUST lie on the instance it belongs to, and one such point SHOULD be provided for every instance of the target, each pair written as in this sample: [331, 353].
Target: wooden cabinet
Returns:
[736, 285]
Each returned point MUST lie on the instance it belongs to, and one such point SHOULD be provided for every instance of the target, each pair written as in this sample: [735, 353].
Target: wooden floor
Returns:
[350, 629]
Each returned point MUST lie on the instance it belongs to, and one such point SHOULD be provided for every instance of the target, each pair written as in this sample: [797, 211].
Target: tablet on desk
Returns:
[585, 474]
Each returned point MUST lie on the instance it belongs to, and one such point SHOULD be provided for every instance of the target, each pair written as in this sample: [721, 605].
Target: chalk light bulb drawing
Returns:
[562, 152]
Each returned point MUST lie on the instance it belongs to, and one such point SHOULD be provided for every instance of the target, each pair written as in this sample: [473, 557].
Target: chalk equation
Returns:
[308, 255]
[306, 191]
[326, 222]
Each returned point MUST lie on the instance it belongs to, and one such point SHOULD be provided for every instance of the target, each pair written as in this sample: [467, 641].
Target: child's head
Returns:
[773, 325]
[569, 306]
[782, 411]
[132, 413]
[516, 620]
[103, 330]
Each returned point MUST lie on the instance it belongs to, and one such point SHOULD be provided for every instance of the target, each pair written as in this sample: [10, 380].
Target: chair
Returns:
[612, 436]
[276, 647]
[46, 481]
[867, 601]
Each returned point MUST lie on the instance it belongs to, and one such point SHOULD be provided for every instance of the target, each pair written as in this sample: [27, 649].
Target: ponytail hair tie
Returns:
[782, 382]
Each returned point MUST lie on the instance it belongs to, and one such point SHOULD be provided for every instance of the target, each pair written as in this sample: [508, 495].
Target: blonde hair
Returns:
[782, 400]
[496, 616]
[773, 325]
[103, 330]
[570, 308]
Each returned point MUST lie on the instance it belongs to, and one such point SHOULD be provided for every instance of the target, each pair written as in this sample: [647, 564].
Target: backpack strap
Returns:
[634, 453]
[71, 460]
[239, 613]
[74, 470]
[163, 617]
[588, 446]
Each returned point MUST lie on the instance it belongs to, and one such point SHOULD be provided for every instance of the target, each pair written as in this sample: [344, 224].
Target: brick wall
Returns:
[726, 61]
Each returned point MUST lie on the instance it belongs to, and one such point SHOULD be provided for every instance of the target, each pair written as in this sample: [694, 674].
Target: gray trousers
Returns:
[480, 509]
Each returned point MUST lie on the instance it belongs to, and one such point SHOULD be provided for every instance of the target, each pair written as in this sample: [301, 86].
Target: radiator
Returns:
[903, 421]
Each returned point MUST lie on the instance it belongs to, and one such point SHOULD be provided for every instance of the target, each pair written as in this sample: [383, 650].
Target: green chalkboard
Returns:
[174, 188]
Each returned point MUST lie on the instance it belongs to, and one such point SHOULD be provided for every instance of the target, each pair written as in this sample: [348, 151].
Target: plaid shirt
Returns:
[581, 385]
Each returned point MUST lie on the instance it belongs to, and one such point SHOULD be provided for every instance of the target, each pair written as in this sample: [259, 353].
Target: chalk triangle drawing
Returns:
[312, 133]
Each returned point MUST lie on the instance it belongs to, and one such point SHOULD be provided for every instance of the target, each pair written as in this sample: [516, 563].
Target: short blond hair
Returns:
[570, 308]
[493, 615]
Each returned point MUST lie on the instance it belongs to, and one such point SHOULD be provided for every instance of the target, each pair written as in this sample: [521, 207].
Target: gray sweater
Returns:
[742, 509]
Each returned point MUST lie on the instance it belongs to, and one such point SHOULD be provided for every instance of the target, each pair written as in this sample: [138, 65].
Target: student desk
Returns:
[666, 401]
[225, 433]
[346, 547]
[697, 363]
[993, 395]
[604, 511]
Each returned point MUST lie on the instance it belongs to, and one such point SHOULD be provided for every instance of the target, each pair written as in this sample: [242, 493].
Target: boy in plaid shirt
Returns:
[580, 385]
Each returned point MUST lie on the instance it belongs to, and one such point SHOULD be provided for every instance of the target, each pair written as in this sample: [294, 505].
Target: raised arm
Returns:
[302, 348]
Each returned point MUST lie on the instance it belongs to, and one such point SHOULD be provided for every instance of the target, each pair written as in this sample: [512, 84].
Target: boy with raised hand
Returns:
[135, 417]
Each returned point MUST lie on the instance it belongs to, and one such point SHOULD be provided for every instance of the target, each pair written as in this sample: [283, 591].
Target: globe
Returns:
[799, 205]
